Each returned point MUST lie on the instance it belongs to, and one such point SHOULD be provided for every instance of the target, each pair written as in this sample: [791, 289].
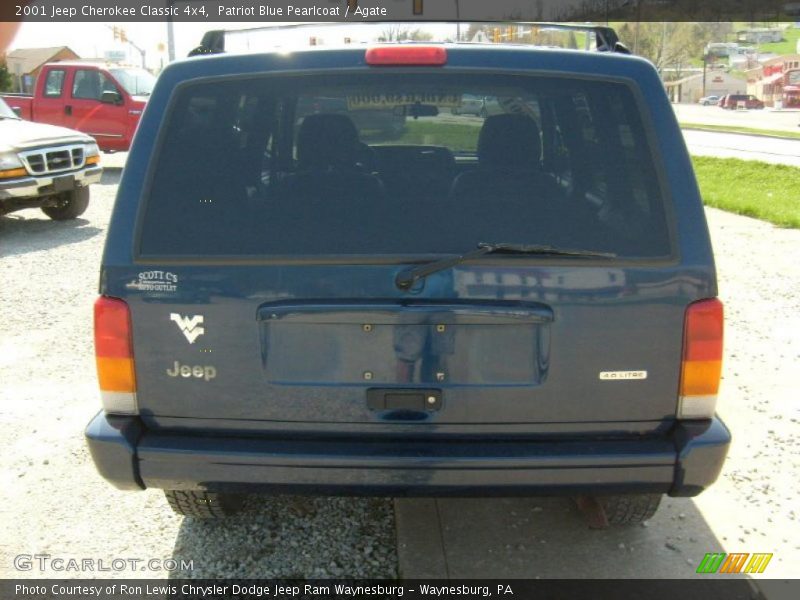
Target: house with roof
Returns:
[24, 64]
[760, 35]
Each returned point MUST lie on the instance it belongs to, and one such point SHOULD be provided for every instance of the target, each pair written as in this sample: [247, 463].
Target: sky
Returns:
[92, 40]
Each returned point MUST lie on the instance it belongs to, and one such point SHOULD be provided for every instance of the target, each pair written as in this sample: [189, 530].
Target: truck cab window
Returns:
[54, 83]
[90, 84]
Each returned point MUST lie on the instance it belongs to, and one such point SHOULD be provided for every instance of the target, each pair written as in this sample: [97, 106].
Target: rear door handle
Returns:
[68, 110]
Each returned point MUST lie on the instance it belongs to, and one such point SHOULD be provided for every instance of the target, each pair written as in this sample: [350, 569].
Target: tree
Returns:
[474, 29]
[402, 33]
[6, 81]
[666, 44]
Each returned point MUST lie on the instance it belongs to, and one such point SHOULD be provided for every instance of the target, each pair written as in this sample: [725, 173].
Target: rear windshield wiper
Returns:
[408, 277]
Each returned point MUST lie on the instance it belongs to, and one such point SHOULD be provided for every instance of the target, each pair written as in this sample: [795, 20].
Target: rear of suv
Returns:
[518, 304]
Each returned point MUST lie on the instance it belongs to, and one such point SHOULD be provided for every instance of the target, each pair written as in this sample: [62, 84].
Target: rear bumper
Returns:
[681, 464]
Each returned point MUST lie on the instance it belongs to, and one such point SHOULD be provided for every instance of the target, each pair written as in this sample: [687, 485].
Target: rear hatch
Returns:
[272, 234]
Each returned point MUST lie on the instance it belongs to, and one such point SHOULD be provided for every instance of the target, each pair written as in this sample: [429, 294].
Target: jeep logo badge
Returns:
[206, 372]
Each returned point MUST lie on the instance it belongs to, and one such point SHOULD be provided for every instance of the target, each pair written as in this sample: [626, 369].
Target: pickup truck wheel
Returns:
[70, 205]
[204, 505]
[629, 509]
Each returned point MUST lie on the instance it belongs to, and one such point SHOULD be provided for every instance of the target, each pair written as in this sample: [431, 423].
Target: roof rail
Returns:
[606, 39]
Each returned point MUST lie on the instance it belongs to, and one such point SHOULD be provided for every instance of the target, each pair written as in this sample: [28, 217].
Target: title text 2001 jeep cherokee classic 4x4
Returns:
[519, 304]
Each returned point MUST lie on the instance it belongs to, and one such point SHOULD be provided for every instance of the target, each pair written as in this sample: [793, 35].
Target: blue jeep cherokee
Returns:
[520, 303]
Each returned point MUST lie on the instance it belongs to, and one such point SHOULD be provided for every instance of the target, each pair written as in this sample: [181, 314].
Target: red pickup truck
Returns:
[104, 101]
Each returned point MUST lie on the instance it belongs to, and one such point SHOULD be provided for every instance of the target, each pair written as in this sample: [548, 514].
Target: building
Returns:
[721, 49]
[767, 82]
[24, 64]
[690, 89]
[760, 35]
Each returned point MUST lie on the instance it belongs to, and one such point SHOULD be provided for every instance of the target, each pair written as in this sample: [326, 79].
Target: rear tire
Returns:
[70, 205]
[204, 505]
[629, 509]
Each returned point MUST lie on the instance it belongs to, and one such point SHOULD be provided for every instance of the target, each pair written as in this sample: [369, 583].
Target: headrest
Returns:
[509, 140]
[327, 140]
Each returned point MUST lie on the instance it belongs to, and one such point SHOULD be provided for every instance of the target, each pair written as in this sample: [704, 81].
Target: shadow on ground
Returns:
[31, 234]
[293, 537]
[545, 538]
[111, 176]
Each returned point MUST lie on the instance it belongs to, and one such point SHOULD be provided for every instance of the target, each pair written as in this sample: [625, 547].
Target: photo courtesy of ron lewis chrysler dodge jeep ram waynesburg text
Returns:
[44, 166]
[523, 302]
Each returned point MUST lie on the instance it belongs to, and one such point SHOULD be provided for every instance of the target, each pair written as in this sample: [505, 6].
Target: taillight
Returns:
[410, 55]
[702, 359]
[113, 348]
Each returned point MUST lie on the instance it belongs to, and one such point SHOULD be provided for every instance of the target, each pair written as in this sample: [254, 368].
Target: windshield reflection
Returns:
[137, 82]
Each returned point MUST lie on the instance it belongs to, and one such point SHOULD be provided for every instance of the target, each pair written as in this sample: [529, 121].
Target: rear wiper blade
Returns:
[406, 278]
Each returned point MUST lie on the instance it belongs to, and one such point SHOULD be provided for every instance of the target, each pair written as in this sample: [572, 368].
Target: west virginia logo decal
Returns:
[190, 326]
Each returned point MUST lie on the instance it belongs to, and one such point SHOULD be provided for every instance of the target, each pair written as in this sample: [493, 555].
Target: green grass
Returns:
[792, 135]
[787, 46]
[755, 189]
[455, 136]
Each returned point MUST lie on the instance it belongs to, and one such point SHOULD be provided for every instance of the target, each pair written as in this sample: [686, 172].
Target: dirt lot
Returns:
[53, 502]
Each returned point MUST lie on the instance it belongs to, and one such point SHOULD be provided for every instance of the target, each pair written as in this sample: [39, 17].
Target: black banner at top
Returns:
[353, 11]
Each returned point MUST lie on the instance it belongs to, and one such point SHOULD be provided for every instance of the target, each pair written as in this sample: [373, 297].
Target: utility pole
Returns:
[705, 66]
[170, 35]
[636, 29]
[458, 23]
[142, 54]
[121, 35]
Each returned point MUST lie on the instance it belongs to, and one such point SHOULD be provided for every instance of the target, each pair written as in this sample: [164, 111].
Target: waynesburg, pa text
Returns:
[260, 591]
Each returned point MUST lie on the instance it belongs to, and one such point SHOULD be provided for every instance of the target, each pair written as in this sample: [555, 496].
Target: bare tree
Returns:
[397, 32]
[666, 44]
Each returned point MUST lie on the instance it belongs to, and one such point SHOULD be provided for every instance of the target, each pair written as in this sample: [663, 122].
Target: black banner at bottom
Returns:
[329, 589]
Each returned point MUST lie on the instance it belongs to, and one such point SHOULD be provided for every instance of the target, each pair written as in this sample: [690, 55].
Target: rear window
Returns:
[390, 163]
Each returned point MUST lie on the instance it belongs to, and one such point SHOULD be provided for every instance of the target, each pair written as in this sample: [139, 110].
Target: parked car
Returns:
[47, 167]
[468, 105]
[791, 96]
[709, 100]
[104, 101]
[483, 106]
[738, 101]
[525, 306]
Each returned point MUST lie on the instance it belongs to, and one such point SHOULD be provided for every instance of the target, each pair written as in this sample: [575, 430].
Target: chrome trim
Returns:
[45, 157]
[30, 187]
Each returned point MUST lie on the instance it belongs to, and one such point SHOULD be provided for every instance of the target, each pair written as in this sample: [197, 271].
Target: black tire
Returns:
[204, 505]
[70, 205]
[629, 509]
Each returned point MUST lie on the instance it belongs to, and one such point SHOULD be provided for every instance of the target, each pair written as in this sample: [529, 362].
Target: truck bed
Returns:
[22, 104]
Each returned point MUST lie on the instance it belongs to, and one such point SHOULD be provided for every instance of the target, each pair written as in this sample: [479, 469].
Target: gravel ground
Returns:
[53, 502]
[51, 499]
[753, 507]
